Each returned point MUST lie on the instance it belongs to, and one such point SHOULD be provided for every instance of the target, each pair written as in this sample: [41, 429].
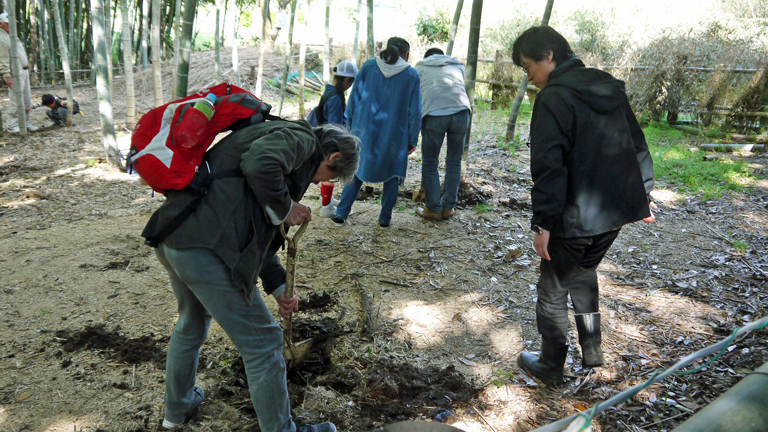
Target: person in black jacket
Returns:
[592, 174]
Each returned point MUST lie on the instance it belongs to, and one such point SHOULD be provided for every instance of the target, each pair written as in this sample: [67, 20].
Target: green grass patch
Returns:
[740, 245]
[483, 208]
[676, 164]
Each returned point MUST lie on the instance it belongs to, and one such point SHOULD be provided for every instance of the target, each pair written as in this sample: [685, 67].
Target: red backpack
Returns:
[170, 141]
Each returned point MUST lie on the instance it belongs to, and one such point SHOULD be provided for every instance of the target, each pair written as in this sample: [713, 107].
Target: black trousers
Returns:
[571, 270]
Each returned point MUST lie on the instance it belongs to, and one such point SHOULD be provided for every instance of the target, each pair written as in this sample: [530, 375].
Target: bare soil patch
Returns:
[423, 320]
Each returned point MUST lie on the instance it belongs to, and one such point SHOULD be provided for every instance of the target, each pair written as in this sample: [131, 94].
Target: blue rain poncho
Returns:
[384, 111]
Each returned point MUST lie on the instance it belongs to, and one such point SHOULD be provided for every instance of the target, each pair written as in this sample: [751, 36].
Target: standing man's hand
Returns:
[411, 148]
[298, 215]
[540, 243]
[9, 81]
[286, 306]
[651, 218]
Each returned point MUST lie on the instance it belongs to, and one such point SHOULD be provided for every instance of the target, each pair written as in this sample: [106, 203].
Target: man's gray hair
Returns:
[334, 138]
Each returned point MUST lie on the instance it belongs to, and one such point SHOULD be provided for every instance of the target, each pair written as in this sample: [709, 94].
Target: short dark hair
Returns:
[433, 51]
[48, 99]
[536, 43]
[396, 47]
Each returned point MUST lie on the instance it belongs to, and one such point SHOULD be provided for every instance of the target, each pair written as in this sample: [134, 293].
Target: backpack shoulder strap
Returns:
[321, 104]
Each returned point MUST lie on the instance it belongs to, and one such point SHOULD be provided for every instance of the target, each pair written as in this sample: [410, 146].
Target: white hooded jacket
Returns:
[442, 84]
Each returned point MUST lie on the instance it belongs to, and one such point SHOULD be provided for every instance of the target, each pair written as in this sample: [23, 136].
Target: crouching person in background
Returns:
[58, 109]
[215, 256]
[592, 174]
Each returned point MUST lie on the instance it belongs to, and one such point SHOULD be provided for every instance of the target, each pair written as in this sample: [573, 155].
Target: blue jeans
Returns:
[388, 198]
[203, 288]
[433, 130]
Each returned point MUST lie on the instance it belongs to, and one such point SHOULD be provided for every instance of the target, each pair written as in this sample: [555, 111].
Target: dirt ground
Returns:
[423, 320]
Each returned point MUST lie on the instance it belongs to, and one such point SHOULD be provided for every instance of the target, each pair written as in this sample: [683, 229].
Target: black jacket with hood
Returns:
[591, 169]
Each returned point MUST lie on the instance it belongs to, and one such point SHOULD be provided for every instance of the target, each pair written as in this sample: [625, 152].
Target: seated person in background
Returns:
[58, 109]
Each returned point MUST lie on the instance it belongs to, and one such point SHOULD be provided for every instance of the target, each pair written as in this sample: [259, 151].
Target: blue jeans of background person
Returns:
[572, 270]
[204, 288]
[388, 199]
[433, 130]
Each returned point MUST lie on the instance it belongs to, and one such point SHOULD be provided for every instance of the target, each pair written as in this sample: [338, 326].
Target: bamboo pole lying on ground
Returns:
[717, 134]
[741, 408]
[731, 147]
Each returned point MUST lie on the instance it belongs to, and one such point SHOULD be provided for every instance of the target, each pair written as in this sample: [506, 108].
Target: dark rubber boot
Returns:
[588, 326]
[549, 366]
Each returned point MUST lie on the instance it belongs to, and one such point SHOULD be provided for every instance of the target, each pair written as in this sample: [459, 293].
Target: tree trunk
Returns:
[16, 70]
[81, 35]
[102, 83]
[235, 56]
[50, 36]
[217, 43]
[474, 42]
[518, 103]
[287, 65]
[303, 59]
[108, 30]
[130, 103]
[454, 26]
[43, 52]
[182, 74]
[144, 29]
[64, 60]
[327, 47]
[33, 44]
[371, 41]
[176, 38]
[157, 65]
[262, 45]
[356, 49]
[71, 40]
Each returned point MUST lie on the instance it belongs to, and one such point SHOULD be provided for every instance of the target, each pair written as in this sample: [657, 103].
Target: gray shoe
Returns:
[199, 397]
[32, 128]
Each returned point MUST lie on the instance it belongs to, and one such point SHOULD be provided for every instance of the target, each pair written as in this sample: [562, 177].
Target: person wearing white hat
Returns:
[330, 110]
[11, 115]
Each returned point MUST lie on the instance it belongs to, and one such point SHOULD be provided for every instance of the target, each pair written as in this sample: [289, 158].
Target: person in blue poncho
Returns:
[384, 111]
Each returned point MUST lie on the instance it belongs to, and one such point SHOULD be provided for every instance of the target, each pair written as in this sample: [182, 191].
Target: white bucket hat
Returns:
[4, 17]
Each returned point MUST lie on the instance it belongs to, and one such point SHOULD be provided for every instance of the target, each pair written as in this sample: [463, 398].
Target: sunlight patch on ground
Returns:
[666, 195]
[3, 415]
[758, 222]
[668, 311]
[468, 331]
[67, 424]
[470, 426]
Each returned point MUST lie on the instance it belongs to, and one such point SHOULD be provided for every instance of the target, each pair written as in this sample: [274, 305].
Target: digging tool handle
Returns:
[293, 248]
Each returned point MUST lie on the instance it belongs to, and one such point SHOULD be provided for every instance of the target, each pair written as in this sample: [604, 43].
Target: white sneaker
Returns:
[13, 130]
[32, 128]
[328, 210]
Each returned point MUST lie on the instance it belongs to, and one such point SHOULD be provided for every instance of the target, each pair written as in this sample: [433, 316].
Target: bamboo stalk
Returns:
[731, 113]
[731, 147]
[718, 134]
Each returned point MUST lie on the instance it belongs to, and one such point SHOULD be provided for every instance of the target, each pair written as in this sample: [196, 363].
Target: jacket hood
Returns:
[596, 88]
[389, 70]
[439, 60]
